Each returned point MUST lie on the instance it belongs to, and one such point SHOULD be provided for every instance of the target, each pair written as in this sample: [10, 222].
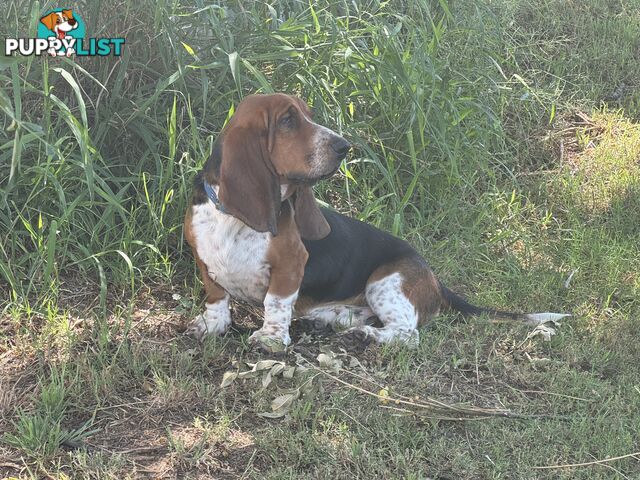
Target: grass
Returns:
[501, 139]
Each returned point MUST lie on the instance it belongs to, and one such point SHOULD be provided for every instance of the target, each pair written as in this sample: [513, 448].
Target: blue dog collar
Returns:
[211, 193]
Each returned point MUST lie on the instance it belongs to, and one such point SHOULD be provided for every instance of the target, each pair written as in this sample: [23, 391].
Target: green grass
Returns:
[500, 139]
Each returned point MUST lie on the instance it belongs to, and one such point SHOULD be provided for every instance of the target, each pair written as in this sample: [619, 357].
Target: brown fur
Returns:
[249, 186]
[287, 256]
[311, 223]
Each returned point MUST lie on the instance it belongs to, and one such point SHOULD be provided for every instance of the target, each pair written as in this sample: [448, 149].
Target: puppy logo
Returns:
[61, 24]
[61, 32]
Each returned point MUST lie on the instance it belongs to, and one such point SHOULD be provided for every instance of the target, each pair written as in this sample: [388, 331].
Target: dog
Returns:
[258, 235]
[60, 23]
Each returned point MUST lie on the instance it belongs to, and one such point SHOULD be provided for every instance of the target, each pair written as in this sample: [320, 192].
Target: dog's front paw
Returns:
[270, 340]
[70, 51]
[215, 320]
[201, 327]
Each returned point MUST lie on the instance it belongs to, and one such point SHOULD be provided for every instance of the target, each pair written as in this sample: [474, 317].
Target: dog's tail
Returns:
[455, 302]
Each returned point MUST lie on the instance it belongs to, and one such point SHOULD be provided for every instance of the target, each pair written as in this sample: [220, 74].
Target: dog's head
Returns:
[272, 140]
[60, 22]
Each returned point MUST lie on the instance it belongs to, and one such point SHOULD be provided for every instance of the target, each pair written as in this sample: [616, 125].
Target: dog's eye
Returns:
[286, 120]
[57, 20]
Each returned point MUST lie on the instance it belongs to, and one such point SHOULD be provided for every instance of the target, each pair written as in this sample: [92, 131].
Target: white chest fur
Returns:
[235, 254]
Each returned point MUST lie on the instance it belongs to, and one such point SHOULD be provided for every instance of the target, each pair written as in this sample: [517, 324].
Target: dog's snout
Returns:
[341, 147]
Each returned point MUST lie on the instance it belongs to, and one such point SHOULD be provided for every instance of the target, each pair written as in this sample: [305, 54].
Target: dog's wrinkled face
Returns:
[300, 150]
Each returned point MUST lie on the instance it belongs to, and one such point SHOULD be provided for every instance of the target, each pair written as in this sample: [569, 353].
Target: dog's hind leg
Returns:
[401, 295]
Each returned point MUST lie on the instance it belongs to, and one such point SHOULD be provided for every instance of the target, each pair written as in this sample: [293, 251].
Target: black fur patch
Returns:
[215, 160]
[340, 264]
[199, 196]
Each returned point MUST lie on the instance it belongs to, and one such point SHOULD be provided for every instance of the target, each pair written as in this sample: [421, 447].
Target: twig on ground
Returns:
[430, 403]
[585, 464]
[555, 394]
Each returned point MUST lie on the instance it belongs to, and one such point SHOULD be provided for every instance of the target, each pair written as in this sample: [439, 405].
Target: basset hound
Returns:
[258, 234]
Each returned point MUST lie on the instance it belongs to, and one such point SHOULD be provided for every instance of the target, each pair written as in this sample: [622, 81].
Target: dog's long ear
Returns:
[249, 186]
[49, 21]
[311, 223]
[68, 14]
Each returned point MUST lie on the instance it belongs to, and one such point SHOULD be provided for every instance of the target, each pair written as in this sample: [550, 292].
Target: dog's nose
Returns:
[341, 147]
[72, 21]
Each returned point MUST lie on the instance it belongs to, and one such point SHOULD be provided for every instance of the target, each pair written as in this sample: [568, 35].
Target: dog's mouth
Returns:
[305, 181]
[332, 172]
[329, 175]
[61, 35]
